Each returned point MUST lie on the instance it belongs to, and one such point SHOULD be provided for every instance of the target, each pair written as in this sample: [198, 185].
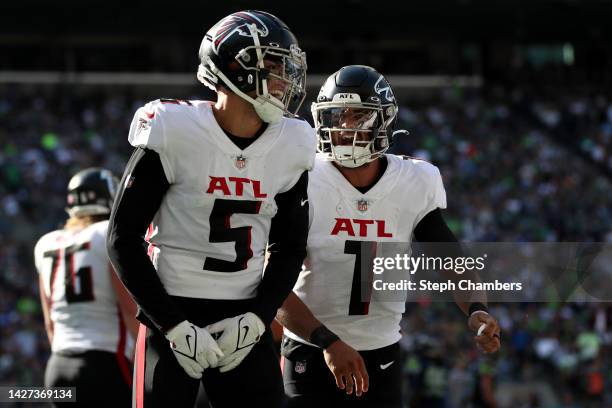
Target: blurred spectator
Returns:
[516, 168]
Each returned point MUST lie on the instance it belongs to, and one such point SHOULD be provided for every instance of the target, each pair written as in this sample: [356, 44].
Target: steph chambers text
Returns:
[431, 286]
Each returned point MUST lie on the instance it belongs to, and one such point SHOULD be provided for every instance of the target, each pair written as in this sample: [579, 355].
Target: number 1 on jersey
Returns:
[357, 306]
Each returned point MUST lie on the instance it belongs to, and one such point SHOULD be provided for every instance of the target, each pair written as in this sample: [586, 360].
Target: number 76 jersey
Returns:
[343, 222]
[76, 273]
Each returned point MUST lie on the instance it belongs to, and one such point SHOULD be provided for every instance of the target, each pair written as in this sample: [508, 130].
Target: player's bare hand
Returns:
[348, 367]
[487, 331]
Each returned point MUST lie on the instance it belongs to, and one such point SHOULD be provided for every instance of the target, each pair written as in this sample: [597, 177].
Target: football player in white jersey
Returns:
[215, 183]
[89, 316]
[358, 196]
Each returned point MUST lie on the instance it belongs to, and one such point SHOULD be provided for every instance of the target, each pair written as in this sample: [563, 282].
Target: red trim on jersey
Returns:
[120, 353]
[71, 268]
[147, 238]
[148, 235]
[53, 276]
[140, 365]
[282, 364]
[87, 246]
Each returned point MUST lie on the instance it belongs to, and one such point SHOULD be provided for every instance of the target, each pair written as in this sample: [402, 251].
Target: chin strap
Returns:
[352, 156]
[264, 104]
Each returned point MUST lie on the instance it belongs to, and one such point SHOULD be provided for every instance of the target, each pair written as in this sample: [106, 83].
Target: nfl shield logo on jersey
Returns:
[240, 162]
[300, 367]
[362, 205]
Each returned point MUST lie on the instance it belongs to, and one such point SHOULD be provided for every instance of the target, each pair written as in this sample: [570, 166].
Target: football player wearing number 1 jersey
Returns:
[212, 184]
[89, 316]
[335, 343]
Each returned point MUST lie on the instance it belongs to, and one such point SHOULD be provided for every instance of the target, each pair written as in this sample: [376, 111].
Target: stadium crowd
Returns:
[515, 167]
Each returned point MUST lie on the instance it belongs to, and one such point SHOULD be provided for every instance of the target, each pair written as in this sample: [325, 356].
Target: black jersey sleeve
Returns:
[142, 189]
[433, 228]
[287, 248]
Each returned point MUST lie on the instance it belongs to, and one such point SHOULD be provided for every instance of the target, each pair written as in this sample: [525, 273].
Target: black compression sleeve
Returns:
[287, 248]
[143, 187]
[433, 228]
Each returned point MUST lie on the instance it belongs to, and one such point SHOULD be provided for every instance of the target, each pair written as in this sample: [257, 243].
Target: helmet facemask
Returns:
[350, 134]
[280, 77]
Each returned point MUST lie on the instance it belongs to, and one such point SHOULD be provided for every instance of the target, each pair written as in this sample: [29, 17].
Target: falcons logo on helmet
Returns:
[381, 87]
[238, 23]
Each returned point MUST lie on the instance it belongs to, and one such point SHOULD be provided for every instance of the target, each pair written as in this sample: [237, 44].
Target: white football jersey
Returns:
[340, 218]
[213, 224]
[76, 272]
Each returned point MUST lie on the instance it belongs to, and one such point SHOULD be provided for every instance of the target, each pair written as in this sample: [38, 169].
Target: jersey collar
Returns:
[383, 186]
[258, 148]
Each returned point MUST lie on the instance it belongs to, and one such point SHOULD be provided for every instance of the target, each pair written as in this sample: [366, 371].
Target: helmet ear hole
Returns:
[233, 66]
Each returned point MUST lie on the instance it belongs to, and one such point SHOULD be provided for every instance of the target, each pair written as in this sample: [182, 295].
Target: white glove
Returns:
[194, 348]
[239, 335]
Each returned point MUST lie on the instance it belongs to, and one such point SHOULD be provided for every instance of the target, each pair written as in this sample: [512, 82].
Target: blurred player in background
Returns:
[89, 316]
[218, 181]
[359, 195]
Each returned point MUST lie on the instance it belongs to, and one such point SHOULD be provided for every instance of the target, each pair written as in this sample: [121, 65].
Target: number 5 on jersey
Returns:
[221, 231]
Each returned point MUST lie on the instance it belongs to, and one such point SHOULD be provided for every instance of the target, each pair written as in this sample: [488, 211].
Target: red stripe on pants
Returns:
[140, 365]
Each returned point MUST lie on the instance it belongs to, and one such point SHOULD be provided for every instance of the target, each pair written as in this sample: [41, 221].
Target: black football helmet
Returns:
[357, 105]
[91, 192]
[247, 49]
